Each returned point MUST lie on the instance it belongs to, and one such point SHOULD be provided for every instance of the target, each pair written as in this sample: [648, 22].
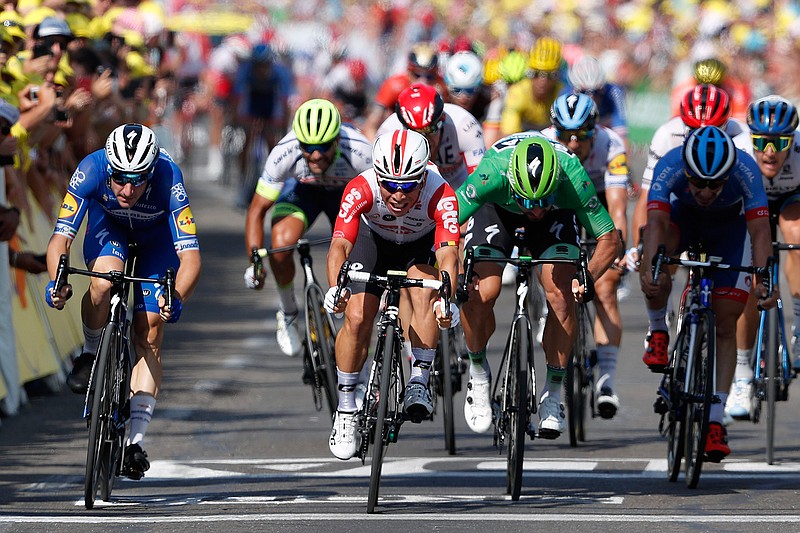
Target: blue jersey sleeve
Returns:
[182, 224]
[84, 186]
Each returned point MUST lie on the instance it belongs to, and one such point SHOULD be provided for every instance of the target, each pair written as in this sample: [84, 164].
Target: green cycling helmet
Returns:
[317, 121]
[513, 67]
[533, 169]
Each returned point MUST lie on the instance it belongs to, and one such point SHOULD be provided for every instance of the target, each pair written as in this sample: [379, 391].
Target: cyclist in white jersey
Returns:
[773, 142]
[454, 135]
[705, 105]
[603, 156]
[399, 215]
[304, 176]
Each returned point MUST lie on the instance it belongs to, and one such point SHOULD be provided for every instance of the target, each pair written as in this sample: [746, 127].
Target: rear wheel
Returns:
[387, 407]
[701, 390]
[98, 458]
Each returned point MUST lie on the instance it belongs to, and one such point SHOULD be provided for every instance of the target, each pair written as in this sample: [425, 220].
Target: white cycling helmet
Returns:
[586, 74]
[464, 71]
[132, 149]
[400, 155]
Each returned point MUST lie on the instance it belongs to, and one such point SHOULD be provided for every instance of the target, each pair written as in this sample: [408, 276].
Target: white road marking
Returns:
[466, 517]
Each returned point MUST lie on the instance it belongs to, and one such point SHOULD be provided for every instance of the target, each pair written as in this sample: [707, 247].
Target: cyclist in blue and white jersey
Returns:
[132, 192]
[707, 192]
[304, 176]
[602, 154]
[773, 143]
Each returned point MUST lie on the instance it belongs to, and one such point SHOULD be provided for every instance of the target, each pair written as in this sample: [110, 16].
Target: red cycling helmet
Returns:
[420, 107]
[705, 105]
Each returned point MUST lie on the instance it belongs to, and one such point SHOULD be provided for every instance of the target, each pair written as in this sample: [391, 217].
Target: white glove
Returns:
[250, 278]
[330, 300]
[632, 259]
[455, 314]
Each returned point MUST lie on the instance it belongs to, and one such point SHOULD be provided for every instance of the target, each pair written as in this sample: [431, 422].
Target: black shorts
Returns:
[376, 255]
[554, 236]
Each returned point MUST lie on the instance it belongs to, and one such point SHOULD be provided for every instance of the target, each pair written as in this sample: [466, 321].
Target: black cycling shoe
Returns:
[135, 462]
[78, 378]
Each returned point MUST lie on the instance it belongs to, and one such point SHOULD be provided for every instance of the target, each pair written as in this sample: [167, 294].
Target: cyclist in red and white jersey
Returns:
[454, 135]
[399, 215]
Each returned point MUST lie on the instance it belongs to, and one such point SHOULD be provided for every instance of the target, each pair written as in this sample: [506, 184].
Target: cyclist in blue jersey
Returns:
[707, 192]
[132, 192]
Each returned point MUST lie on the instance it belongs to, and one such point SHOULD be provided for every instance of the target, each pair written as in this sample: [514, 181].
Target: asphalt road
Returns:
[236, 443]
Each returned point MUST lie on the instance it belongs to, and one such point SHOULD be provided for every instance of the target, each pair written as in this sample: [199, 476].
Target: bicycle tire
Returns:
[97, 456]
[773, 382]
[320, 340]
[381, 440]
[445, 353]
[676, 428]
[518, 408]
[575, 383]
[701, 383]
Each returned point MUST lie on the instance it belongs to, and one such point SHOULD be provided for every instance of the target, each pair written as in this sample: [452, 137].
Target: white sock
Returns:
[421, 362]
[744, 369]
[347, 391]
[607, 363]
[142, 405]
[718, 409]
[288, 301]
[658, 319]
[91, 339]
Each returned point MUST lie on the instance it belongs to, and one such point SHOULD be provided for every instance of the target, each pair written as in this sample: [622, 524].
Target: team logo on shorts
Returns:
[184, 222]
[69, 207]
[619, 165]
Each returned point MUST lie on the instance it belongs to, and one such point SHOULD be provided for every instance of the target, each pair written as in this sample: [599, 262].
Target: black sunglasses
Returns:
[701, 183]
[567, 135]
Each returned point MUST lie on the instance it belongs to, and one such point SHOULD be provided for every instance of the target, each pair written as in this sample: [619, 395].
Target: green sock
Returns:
[479, 366]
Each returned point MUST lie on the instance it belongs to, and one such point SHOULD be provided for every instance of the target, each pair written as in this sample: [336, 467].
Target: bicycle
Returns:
[773, 373]
[381, 415]
[514, 393]
[319, 359]
[450, 364]
[686, 391]
[107, 407]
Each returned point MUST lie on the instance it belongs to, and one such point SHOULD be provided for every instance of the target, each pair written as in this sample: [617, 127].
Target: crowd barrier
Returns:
[41, 340]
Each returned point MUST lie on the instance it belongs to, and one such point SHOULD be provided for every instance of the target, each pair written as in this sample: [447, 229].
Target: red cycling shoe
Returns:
[656, 355]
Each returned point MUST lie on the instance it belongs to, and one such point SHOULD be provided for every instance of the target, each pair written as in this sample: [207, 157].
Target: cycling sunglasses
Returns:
[581, 135]
[431, 128]
[547, 74]
[321, 148]
[463, 92]
[424, 74]
[701, 183]
[405, 187]
[529, 205]
[135, 179]
[779, 143]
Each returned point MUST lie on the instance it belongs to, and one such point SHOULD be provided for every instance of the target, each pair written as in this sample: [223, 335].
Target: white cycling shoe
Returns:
[288, 333]
[478, 406]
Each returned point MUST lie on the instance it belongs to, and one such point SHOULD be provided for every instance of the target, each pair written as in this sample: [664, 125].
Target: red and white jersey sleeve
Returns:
[436, 210]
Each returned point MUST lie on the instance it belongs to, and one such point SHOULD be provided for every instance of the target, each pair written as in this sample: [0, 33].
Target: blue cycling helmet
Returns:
[709, 153]
[573, 112]
[772, 115]
[262, 53]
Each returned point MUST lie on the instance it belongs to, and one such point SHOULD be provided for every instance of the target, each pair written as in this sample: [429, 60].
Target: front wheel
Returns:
[675, 417]
[701, 391]
[517, 406]
[321, 343]
[447, 358]
[98, 458]
[387, 401]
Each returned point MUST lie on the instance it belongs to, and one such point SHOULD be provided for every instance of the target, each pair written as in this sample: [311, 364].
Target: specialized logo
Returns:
[69, 207]
[184, 222]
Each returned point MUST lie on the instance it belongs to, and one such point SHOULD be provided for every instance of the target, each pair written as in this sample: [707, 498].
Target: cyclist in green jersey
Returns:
[525, 180]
